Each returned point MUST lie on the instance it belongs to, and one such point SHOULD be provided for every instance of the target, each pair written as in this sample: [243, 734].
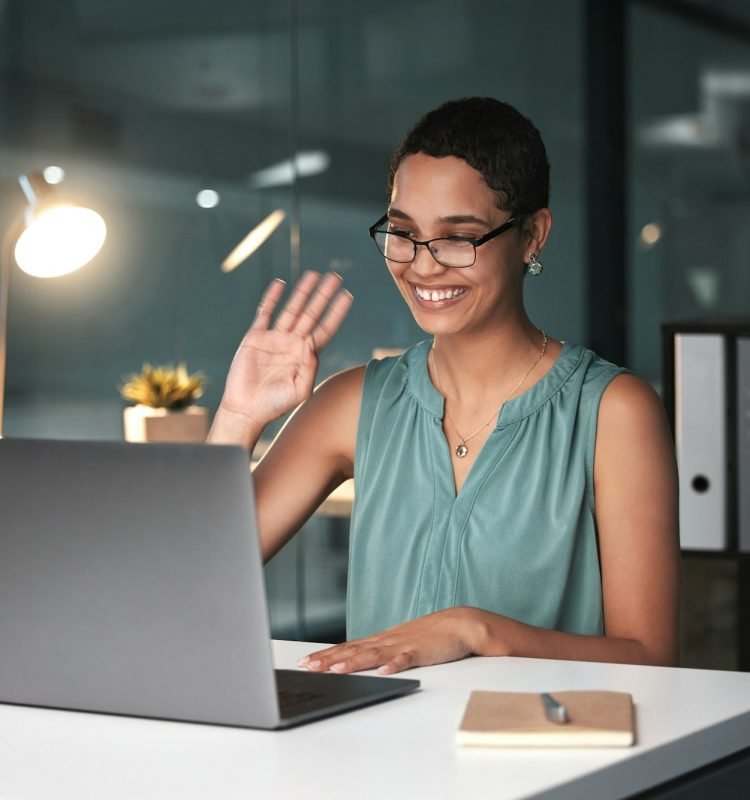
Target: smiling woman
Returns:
[515, 494]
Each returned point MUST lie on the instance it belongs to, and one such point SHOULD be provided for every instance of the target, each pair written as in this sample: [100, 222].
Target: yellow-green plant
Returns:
[166, 386]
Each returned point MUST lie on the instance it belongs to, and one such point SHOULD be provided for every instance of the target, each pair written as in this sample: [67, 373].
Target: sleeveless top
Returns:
[520, 537]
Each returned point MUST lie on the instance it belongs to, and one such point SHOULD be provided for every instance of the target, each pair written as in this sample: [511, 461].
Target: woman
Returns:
[515, 495]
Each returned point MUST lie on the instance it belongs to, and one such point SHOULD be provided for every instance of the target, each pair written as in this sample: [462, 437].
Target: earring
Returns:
[534, 266]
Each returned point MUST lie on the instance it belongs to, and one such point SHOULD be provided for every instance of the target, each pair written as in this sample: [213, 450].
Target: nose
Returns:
[424, 262]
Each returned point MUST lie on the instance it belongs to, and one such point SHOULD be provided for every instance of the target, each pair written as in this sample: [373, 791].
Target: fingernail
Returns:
[303, 661]
[339, 666]
[313, 664]
[386, 669]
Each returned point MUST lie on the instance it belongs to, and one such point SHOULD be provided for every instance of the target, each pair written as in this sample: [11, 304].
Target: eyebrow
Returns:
[456, 219]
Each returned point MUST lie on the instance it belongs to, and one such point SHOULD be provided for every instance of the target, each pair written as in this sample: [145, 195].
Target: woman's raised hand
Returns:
[275, 365]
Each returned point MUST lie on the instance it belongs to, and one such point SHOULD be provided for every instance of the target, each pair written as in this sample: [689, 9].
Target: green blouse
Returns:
[520, 537]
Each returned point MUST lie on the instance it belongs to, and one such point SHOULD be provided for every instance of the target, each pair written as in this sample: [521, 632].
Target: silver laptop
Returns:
[131, 583]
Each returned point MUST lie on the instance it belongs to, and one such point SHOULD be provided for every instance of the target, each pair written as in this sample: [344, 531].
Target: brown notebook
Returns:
[517, 719]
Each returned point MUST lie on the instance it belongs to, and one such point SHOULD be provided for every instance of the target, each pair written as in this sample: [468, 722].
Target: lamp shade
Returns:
[59, 239]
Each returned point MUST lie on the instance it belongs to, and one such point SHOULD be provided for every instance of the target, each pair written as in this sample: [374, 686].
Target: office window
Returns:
[689, 90]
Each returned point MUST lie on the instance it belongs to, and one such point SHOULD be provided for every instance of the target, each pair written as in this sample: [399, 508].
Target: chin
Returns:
[434, 325]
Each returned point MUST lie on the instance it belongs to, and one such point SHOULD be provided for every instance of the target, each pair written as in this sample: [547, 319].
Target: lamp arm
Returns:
[6, 262]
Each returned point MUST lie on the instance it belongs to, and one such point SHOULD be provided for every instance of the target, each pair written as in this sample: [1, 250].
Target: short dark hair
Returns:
[493, 138]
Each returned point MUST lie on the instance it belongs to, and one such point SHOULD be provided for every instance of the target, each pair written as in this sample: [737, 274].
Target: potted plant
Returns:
[164, 410]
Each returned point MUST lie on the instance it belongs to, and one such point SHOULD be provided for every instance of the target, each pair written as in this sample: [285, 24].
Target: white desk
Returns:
[399, 749]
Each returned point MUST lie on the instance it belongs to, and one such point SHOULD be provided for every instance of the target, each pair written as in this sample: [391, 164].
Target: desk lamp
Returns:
[51, 238]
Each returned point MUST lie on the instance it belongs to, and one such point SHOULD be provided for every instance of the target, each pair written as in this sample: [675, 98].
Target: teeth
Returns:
[435, 295]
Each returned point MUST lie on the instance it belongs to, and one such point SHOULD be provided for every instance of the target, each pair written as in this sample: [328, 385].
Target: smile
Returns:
[436, 295]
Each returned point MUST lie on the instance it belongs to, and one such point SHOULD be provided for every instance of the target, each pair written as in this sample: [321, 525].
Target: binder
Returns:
[700, 416]
[743, 442]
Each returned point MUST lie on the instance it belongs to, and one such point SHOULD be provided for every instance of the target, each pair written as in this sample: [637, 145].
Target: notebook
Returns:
[517, 719]
[131, 583]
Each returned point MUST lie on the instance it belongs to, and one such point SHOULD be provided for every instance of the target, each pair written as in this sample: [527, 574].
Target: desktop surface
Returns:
[406, 748]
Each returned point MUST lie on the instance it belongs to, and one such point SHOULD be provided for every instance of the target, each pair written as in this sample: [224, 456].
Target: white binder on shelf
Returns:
[701, 439]
[743, 442]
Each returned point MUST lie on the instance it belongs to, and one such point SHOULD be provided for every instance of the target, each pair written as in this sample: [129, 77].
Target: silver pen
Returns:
[554, 711]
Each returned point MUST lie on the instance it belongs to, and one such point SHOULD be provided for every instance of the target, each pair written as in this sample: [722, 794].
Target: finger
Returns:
[317, 303]
[268, 304]
[287, 319]
[367, 658]
[322, 659]
[404, 660]
[327, 327]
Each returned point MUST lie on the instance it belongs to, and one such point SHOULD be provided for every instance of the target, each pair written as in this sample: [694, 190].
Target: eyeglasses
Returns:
[450, 251]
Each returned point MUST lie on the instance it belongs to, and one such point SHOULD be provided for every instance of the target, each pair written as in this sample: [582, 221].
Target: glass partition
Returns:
[294, 106]
[689, 95]
[689, 194]
[143, 105]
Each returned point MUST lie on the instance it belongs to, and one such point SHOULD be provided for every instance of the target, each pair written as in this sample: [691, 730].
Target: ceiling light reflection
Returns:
[650, 234]
[208, 198]
[306, 163]
[253, 240]
[53, 174]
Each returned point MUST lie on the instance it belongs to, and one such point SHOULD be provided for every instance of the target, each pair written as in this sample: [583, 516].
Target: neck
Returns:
[463, 361]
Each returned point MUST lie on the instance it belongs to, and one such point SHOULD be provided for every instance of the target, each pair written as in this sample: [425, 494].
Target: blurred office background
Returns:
[297, 105]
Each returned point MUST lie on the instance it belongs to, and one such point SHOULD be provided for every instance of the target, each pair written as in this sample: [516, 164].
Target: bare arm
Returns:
[312, 455]
[636, 506]
[272, 373]
[635, 483]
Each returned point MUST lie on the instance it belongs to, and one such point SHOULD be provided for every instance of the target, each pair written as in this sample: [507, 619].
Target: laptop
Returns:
[131, 583]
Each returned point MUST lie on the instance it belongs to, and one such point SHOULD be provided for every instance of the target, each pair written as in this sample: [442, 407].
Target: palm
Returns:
[273, 372]
[275, 366]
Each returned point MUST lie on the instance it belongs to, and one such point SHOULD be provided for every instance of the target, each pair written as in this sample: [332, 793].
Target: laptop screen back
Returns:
[131, 582]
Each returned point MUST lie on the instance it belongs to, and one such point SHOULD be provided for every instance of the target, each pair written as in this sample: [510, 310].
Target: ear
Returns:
[537, 229]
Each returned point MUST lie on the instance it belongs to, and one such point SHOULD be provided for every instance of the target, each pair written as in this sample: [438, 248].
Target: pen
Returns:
[554, 711]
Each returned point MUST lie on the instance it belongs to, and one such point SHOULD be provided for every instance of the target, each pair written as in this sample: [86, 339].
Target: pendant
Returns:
[461, 450]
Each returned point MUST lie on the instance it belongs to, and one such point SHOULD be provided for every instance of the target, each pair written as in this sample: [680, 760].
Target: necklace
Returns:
[462, 450]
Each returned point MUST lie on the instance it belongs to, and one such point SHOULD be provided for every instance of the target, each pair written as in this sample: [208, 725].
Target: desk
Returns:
[339, 502]
[398, 749]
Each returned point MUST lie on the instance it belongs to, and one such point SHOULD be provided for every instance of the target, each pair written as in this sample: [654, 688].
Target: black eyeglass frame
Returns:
[507, 225]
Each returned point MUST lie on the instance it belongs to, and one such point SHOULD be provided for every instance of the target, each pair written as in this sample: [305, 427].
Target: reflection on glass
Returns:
[208, 198]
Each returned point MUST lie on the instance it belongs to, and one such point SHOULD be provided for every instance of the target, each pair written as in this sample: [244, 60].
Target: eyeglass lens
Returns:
[448, 252]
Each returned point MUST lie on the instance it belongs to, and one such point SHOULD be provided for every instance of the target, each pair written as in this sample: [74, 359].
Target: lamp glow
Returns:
[59, 240]
[253, 240]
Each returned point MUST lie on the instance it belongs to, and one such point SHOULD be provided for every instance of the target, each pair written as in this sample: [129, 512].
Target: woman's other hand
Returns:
[434, 639]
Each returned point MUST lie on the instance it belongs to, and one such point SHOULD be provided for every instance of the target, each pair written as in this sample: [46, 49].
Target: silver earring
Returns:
[534, 266]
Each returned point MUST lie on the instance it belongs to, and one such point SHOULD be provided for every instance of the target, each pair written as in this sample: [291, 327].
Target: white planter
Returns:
[146, 424]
